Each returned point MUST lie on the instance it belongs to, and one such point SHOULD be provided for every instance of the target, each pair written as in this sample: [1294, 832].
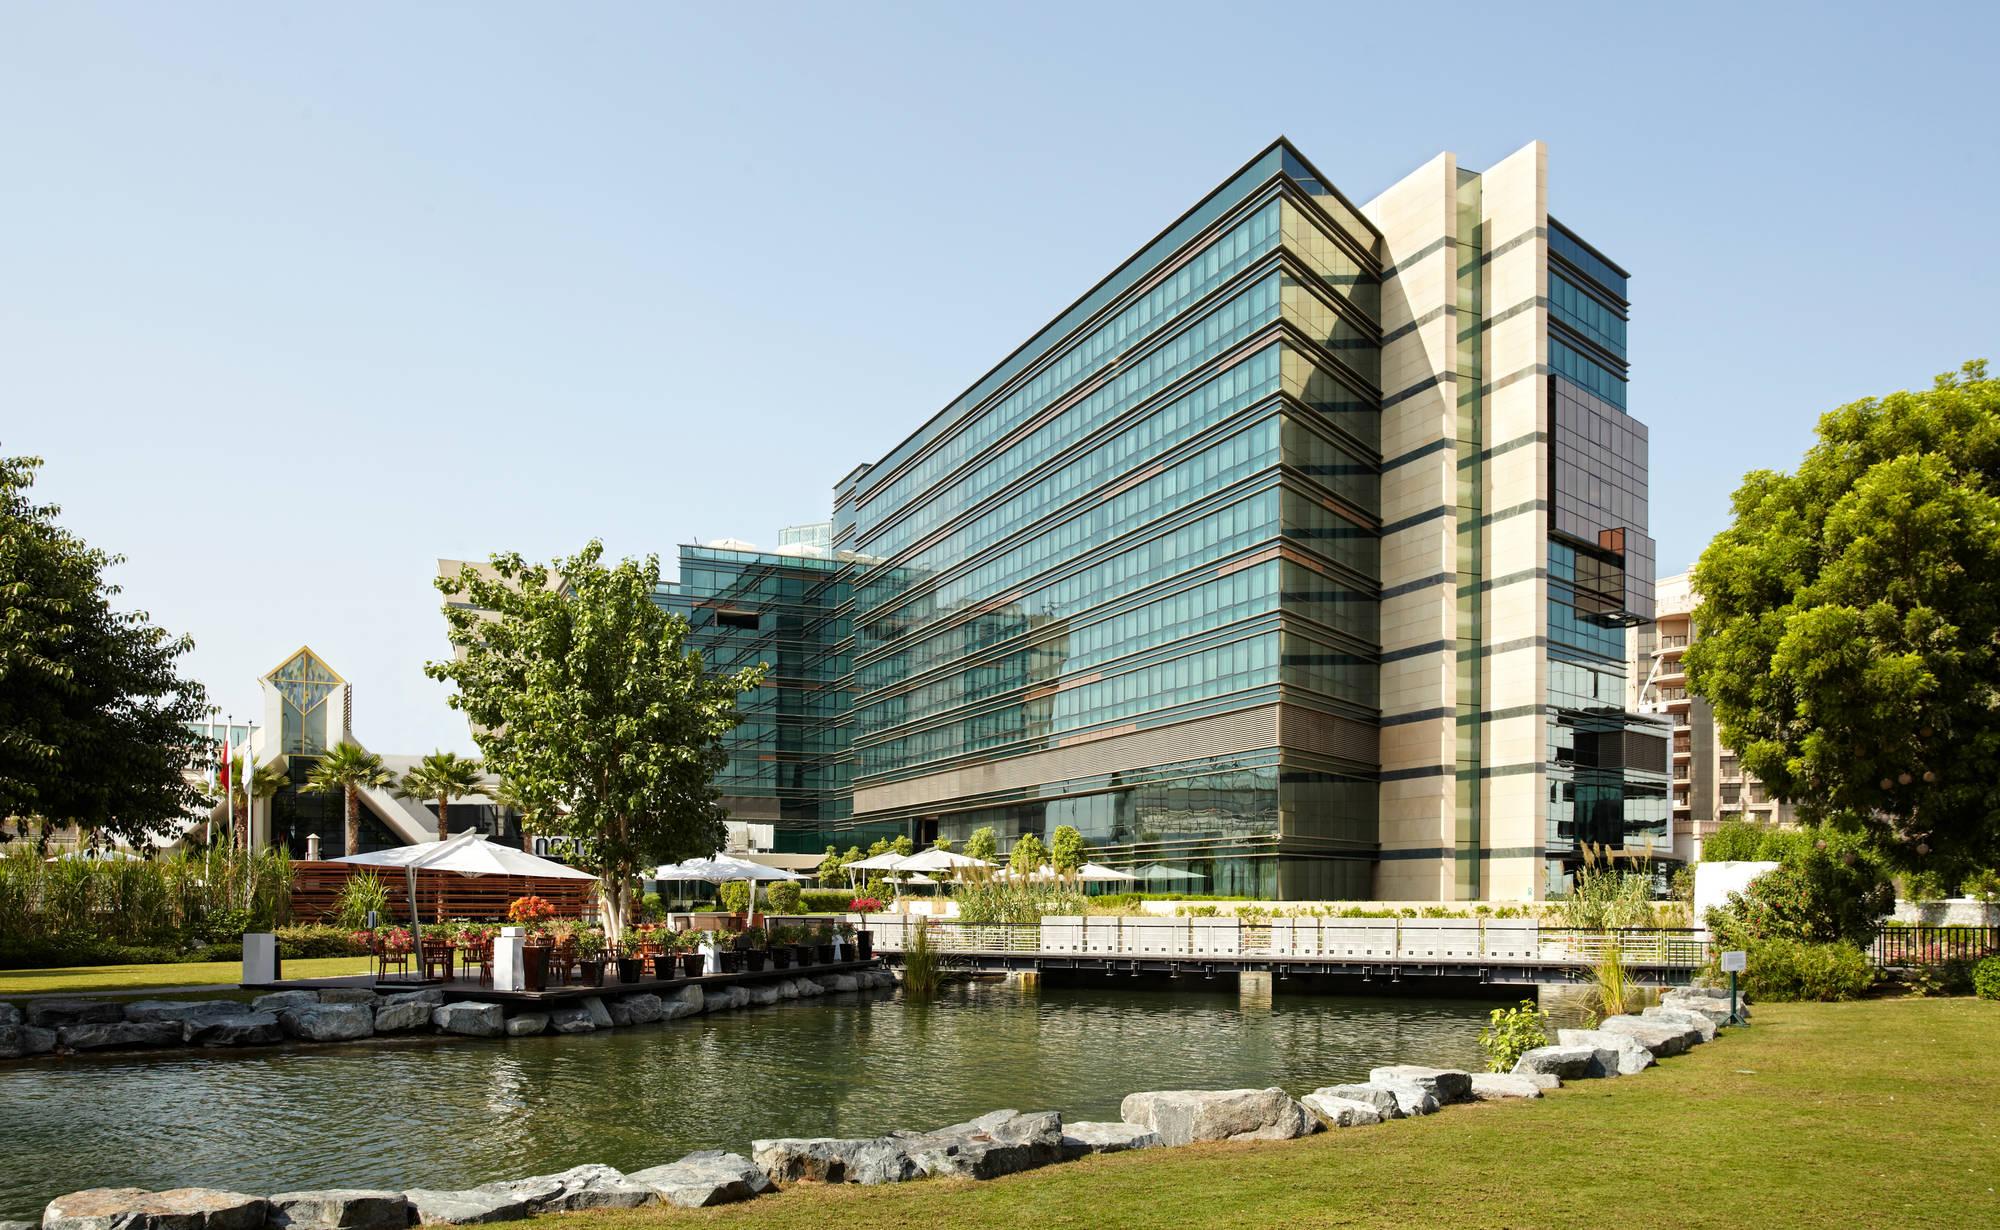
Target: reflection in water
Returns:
[425, 1112]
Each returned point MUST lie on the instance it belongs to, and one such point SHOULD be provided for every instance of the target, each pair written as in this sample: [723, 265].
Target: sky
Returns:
[296, 300]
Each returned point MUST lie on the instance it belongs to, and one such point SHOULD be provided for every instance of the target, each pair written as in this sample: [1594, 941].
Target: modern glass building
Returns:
[1293, 559]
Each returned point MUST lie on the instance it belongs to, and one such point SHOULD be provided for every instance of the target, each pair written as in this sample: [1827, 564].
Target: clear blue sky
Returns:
[296, 299]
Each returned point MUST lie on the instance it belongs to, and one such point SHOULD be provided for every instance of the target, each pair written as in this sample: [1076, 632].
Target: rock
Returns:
[122, 1034]
[808, 988]
[642, 1009]
[600, 1016]
[279, 1001]
[527, 1025]
[571, 1019]
[1187, 1115]
[1493, 1086]
[1447, 1085]
[479, 1204]
[1660, 1037]
[429, 995]
[339, 1209]
[1568, 1062]
[20, 1041]
[706, 1178]
[1087, 1137]
[20, 1225]
[1382, 1098]
[886, 1159]
[348, 995]
[9, 1015]
[243, 1029]
[839, 982]
[470, 1018]
[1696, 1021]
[687, 1001]
[183, 1010]
[1628, 1056]
[1338, 1112]
[400, 1018]
[132, 1208]
[328, 1022]
[763, 996]
[56, 1013]
[995, 1144]
[589, 1186]
[805, 1159]
[786, 988]
[1543, 1081]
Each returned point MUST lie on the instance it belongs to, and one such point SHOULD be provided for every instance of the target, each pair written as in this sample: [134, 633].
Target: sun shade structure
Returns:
[721, 868]
[940, 860]
[468, 854]
[880, 862]
[1093, 873]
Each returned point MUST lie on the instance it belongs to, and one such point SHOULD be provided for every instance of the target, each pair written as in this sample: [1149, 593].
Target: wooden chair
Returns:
[563, 963]
[476, 952]
[437, 961]
[387, 959]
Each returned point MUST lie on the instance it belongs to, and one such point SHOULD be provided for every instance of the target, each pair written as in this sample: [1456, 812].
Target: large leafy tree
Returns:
[589, 703]
[1850, 623]
[442, 776]
[93, 709]
[349, 769]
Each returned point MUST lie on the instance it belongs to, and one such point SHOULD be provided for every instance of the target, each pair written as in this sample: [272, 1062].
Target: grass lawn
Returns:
[125, 979]
[1879, 1113]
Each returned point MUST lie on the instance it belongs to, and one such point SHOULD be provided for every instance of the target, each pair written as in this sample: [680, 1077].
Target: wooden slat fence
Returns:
[440, 894]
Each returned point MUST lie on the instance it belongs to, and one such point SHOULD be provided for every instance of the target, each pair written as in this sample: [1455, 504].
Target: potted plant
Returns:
[728, 956]
[864, 939]
[631, 967]
[823, 945]
[689, 945]
[778, 943]
[844, 932]
[590, 955]
[753, 951]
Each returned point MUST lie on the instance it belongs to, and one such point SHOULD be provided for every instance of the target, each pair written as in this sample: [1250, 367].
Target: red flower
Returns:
[865, 905]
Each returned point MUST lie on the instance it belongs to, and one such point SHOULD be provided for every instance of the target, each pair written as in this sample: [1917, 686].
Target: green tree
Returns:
[442, 776]
[1066, 849]
[830, 864]
[878, 847]
[586, 698]
[1850, 621]
[347, 768]
[982, 844]
[1028, 855]
[943, 843]
[903, 846]
[93, 711]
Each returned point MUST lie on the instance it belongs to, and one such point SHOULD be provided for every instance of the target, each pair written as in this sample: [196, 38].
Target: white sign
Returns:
[1735, 961]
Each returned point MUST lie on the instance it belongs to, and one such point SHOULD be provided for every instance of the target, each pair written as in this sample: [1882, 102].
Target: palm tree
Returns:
[348, 768]
[255, 784]
[443, 776]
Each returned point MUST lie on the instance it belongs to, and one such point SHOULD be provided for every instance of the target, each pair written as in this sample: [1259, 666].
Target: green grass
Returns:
[122, 979]
[1877, 1113]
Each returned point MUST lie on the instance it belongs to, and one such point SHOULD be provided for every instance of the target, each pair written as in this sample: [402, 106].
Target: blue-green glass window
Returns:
[1572, 364]
[1586, 314]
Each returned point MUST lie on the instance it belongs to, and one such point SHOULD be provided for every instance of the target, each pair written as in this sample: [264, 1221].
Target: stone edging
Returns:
[1003, 1142]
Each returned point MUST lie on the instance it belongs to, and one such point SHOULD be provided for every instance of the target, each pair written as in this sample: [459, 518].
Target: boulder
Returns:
[348, 995]
[1568, 1062]
[132, 1208]
[590, 1186]
[1334, 1111]
[1696, 1021]
[763, 996]
[1493, 1086]
[117, 1036]
[1183, 1116]
[56, 1013]
[1447, 1085]
[20, 1225]
[470, 1018]
[706, 1178]
[527, 1025]
[687, 1001]
[995, 1144]
[1716, 1010]
[1543, 1081]
[808, 988]
[886, 1159]
[400, 1018]
[479, 1204]
[1660, 1037]
[600, 1016]
[1381, 1097]
[805, 1159]
[839, 982]
[20, 1041]
[243, 1029]
[1079, 1139]
[279, 1001]
[571, 1019]
[9, 1015]
[787, 988]
[183, 1009]
[328, 1022]
[338, 1209]
[1627, 1056]
[642, 1009]
[429, 995]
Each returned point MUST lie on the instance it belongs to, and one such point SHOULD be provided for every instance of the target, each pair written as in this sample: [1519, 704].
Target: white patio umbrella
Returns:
[1159, 872]
[721, 869]
[941, 860]
[468, 854]
[1098, 873]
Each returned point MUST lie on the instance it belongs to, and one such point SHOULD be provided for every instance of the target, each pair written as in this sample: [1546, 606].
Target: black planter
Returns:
[730, 962]
[781, 957]
[753, 961]
[691, 965]
[535, 966]
[665, 966]
[864, 945]
[631, 969]
[824, 952]
[593, 971]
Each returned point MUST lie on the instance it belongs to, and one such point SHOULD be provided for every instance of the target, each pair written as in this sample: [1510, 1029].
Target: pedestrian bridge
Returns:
[1488, 950]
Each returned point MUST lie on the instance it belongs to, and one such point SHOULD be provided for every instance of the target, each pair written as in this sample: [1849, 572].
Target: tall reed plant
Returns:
[922, 973]
[178, 900]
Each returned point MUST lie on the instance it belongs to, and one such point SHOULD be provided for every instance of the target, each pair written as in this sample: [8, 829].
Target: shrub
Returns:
[318, 940]
[784, 897]
[1747, 841]
[1512, 1032]
[361, 895]
[1015, 901]
[735, 896]
[824, 900]
[1948, 977]
[1986, 978]
[1982, 886]
[1829, 888]
[1789, 969]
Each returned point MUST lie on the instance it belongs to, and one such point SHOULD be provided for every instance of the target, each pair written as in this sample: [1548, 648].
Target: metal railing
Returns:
[1409, 940]
[1934, 945]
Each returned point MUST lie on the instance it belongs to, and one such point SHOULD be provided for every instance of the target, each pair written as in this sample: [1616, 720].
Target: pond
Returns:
[434, 1113]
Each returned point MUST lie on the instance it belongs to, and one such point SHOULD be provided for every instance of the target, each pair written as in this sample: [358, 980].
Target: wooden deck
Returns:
[472, 989]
